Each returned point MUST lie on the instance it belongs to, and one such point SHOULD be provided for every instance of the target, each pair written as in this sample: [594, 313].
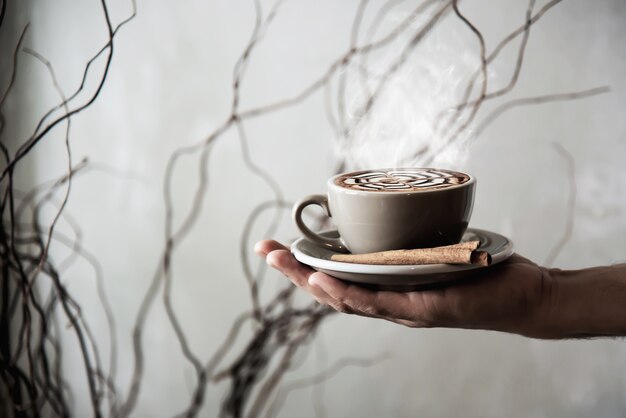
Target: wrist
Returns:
[543, 314]
[585, 303]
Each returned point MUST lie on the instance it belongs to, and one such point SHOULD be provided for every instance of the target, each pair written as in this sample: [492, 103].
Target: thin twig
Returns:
[571, 205]
[535, 100]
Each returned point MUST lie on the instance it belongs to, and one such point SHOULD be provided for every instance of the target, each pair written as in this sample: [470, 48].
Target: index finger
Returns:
[266, 246]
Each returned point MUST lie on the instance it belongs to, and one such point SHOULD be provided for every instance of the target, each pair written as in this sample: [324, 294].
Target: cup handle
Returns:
[334, 244]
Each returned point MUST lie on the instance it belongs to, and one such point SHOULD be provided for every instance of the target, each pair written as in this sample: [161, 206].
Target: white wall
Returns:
[170, 86]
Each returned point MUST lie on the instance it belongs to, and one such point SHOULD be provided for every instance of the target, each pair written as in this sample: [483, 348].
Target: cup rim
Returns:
[331, 182]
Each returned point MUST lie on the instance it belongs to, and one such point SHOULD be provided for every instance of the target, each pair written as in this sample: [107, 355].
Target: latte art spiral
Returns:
[401, 180]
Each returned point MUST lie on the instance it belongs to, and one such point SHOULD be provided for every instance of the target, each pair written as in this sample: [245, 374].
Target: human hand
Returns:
[513, 296]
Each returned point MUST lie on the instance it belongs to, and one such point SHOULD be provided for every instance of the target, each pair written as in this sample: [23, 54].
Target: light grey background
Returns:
[170, 86]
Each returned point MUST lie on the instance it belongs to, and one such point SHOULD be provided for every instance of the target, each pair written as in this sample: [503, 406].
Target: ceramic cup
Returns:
[420, 212]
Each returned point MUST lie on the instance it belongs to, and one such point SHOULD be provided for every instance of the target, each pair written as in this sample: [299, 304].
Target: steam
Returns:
[405, 127]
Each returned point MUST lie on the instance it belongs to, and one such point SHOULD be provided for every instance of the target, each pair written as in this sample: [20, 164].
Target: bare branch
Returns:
[571, 205]
[535, 100]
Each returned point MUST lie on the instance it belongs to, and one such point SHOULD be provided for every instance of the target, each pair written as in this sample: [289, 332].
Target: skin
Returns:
[516, 296]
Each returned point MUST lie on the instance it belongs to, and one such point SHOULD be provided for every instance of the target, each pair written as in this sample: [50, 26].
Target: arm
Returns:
[516, 296]
[588, 303]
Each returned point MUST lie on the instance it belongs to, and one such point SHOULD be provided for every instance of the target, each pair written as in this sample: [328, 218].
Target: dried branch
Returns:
[397, 64]
[475, 107]
[535, 100]
[3, 7]
[39, 134]
[341, 84]
[319, 378]
[571, 205]
[455, 115]
[40, 387]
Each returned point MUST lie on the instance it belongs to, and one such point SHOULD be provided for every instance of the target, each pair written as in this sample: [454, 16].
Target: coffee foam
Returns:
[401, 180]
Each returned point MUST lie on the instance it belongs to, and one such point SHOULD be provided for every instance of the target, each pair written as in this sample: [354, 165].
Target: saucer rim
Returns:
[399, 270]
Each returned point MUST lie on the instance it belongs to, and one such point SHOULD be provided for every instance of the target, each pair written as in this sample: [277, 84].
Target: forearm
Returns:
[586, 303]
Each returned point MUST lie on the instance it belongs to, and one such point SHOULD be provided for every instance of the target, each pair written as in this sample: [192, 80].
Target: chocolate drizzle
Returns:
[401, 180]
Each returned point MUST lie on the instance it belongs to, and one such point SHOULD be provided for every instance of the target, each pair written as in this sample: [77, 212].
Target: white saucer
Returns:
[406, 277]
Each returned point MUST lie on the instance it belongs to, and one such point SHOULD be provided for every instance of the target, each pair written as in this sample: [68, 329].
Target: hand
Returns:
[513, 296]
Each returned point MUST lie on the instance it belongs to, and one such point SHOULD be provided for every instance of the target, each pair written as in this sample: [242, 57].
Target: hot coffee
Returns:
[388, 209]
[401, 179]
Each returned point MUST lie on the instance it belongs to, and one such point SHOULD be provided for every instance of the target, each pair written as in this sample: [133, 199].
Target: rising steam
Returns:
[405, 127]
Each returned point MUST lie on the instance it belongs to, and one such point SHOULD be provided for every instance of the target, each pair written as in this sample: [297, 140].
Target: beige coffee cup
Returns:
[388, 209]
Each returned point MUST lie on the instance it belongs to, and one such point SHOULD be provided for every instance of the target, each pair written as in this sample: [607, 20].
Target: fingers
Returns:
[266, 246]
[347, 297]
[282, 260]
[298, 273]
